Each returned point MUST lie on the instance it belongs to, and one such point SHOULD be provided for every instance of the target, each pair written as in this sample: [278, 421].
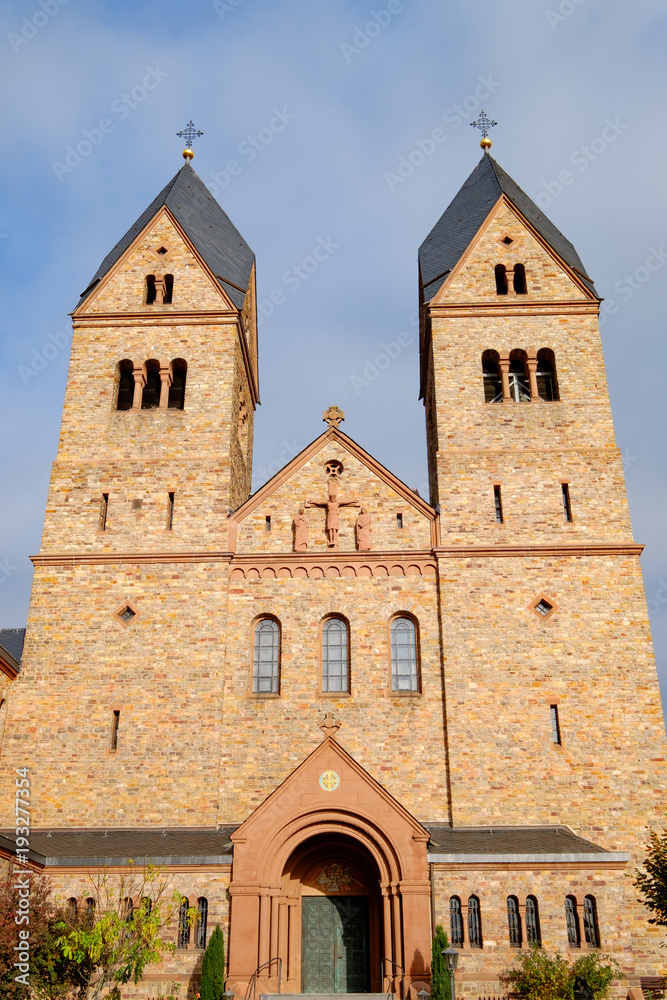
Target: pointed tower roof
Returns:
[453, 232]
[208, 228]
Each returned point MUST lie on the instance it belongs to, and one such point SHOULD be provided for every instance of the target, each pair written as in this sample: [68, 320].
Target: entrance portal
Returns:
[334, 948]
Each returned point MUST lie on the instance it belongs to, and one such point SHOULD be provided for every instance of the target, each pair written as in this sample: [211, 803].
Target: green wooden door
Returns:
[334, 945]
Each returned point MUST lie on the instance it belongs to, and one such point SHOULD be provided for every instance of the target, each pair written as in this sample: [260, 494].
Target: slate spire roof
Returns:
[455, 229]
[208, 228]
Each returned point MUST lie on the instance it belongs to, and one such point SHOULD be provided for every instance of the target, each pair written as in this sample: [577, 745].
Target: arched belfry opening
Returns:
[330, 890]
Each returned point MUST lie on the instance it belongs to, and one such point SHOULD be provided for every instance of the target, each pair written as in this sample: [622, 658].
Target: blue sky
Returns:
[352, 102]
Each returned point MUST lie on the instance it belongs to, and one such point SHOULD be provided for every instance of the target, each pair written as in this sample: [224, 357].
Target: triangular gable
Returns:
[528, 246]
[272, 491]
[455, 229]
[207, 227]
[328, 781]
[196, 288]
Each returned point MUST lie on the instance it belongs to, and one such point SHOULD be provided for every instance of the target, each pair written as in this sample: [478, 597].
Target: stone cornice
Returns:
[553, 308]
[416, 562]
[140, 319]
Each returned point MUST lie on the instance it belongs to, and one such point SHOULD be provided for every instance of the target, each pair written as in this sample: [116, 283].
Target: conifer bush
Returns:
[213, 968]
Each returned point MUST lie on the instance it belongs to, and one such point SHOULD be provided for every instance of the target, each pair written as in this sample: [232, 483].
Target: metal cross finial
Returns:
[484, 123]
[189, 133]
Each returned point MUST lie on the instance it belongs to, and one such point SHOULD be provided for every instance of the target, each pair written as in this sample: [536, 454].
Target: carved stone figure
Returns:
[300, 531]
[332, 506]
[364, 531]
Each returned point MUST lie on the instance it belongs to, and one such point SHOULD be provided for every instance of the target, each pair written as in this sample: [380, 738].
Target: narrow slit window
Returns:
[125, 396]
[572, 921]
[168, 289]
[115, 723]
[176, 397]
[498, 501]
[555, 725]
[183, 925]
[170, 511]
[567, 506]
[90, 912]
[591, 932]
[533, 921]
[267, 523]
[474, 923]
[456, 922]
[104, 510]
[399, 522]
[513, 922]
[202, 919]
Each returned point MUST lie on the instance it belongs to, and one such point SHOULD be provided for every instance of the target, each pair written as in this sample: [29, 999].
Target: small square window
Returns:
[126, 614]
[544, 607]
[507, 240]
[162, 251]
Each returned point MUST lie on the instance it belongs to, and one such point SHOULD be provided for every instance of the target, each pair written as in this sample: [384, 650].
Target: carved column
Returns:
[165, 383]
[464, 924]
[264, 927]
[293, 956]
[522, 918]
[504, 365]
[531, 364]
[139, 383]
[283, 941]
[388, 970]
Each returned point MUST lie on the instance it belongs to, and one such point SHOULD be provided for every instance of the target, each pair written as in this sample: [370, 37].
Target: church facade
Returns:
[337, 713]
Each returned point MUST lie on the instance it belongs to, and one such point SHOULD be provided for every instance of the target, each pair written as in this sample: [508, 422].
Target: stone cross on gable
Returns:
[333, 416]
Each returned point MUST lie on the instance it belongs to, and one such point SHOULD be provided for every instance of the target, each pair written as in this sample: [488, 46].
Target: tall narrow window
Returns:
[128, 909]
[115, 723]
[572, 920]
[547, 387]
[498, 501]
[72, 908]
[146, 906]
[150, 289]
[519, 378]
[150, 397]
[520, 279]
[513, 922]
[455, 922]
[474, 923]
[591, 932]
[334, 655]
[404, 670]
[90, 912]
[104, 510]
[399, 522]
[168, 289]
[555, 724]
[266, 667]
[179, 370]
[202, 919]
[493, 383]
[533, 921]
[567, 506]
[501, 279]
[125, 385]
[267, 523]
[170, 510]
[183, 925]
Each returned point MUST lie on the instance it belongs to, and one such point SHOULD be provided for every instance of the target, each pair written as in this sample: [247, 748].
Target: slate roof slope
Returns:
[455, 229]
[508, 840]
[84, 847]
[11, 641]
[206, 225]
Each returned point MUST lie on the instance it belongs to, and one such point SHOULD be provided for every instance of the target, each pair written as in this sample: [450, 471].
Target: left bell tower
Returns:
[125, 641]
[156, 437]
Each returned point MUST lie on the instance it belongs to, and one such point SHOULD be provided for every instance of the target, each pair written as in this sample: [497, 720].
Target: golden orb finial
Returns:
[189, 133]
[484, 123]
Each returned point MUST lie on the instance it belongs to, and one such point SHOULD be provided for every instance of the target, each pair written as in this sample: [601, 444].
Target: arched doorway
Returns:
[337, 883]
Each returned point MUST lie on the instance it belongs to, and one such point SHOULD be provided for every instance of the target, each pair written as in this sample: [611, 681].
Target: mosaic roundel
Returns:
[329, 781]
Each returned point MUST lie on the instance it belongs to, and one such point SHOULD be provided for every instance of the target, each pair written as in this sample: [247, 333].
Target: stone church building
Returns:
[337, 713]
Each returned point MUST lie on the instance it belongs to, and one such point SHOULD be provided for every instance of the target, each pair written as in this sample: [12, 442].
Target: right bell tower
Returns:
[520, 437]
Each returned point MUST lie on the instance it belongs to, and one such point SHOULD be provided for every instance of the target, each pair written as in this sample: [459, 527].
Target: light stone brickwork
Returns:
[473, 746]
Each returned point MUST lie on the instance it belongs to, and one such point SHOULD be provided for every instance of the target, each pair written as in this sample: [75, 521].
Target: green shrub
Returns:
[213, 968]
[540, 976]
[439, 974]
